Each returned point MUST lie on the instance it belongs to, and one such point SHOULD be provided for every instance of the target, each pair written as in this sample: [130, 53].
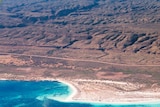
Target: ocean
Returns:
[45, 94]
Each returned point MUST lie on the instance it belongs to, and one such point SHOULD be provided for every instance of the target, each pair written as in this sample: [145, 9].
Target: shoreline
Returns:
[75, 92]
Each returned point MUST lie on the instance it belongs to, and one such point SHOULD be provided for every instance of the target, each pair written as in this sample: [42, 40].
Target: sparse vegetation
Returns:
[100, 38]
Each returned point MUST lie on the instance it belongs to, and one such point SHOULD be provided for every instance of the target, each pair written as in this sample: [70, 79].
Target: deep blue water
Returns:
[42, 93]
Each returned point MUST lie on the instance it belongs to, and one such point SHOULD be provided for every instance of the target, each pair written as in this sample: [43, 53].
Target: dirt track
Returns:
[82, 60]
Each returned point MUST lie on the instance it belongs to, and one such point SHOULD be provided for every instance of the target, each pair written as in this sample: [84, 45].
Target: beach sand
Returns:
[74, 91]
[110, 92]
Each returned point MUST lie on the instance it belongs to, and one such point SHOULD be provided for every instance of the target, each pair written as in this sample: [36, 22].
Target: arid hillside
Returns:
[121, 31]
[115, 40]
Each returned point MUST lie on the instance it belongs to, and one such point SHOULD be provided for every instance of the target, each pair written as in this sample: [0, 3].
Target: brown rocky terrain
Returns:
[94, 39]
[100, 25]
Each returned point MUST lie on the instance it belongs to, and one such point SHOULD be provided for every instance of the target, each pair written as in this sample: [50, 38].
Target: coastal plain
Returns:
[109, 50]
[91, 81]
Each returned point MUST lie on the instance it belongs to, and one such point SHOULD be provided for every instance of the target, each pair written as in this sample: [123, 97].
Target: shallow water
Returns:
[42, 94]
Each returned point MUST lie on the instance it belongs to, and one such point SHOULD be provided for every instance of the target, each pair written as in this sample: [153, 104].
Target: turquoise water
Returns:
[42, 94]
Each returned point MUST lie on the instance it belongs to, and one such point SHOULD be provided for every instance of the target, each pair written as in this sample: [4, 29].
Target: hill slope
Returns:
[112, 30]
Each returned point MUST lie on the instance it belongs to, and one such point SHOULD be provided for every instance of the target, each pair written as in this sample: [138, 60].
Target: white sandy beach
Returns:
[104, 92]
[73, 89]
